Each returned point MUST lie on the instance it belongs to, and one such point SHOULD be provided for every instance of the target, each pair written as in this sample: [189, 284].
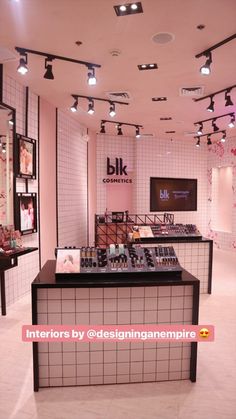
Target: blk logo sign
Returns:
[164, 194]
[117, 169]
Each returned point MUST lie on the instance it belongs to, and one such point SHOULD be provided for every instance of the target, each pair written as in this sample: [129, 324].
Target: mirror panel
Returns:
[7, 123]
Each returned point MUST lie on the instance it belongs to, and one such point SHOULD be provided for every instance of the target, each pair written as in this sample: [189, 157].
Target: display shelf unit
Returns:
[110, 229]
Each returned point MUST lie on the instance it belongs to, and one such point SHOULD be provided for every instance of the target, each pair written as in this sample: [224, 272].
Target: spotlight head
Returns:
[232, 121]
[11, 122]
[200, 129]
[122, 8]
[198, 143]
[119, 130]
[102, 130]
[22, 67]
[91, 107]
[206, 68]
[4, 148]
[214, 126]
[223, 137]
[74, 107]
[211, 106]
[228, 101]
[137, 134]
[134, 6]
[112, 112]
[48, 74]
[91, 77]
[209, 140]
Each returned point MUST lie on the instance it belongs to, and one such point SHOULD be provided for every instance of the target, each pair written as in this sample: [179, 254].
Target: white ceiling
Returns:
[54, 26]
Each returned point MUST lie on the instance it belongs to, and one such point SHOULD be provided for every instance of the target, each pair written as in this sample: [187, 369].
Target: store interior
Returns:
[107, 100]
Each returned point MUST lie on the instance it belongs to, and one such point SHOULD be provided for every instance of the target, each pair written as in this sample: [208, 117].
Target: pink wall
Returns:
[222, 155]
[92, 190]
[47, 163]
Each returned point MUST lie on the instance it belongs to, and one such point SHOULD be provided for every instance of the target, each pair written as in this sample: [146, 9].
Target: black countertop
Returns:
[46, 278]
[9, 260]
[170, 239]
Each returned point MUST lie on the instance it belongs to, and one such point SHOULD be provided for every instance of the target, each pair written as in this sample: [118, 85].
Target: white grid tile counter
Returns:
[150, 301]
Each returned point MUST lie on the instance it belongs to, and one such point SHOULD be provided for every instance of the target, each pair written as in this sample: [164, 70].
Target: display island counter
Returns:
[112, 299]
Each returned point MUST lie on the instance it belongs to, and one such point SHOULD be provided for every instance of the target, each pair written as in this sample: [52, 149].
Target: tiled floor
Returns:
[211, 397]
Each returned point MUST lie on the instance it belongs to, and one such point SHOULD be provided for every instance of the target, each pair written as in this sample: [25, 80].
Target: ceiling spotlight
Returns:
[198, 143]
[214, 126]
[223, 137]
[11, 122]
[91, 76]
[211, 106]
[74, 107]
[102, 130]
[206, 69]
[91, 107]
[128, 8]
[48, 74]
[228, 101]
[232, 121]
[209, 140]
[22, 67]
[112, 112]
[200, 129]
[4, 148]
[119, 130]
[137, 135]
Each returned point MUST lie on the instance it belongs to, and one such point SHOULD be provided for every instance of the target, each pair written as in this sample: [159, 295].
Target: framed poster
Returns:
[68, 261]
[26, 157]
[26, 213]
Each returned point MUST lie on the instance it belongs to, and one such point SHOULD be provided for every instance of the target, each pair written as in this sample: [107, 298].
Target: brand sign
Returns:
[116, 168]
[164, 194]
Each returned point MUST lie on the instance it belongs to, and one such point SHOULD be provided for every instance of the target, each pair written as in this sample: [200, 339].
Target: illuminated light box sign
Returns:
[171, 194]
[118, 170]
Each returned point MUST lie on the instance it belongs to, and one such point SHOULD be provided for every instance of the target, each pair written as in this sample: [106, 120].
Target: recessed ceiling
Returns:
[55, 26]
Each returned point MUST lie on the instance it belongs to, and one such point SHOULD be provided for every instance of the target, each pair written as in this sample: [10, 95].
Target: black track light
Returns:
[200, 129]
[119, 130]
[232, 121]
[223, 137]
[198, 143]
[112, 111]
[206, 68]
[11, 121]
[209, 140]
[137, 134]
[91, 107]
[102, 130]
[91, 76]
[211, 106]
[4, 149]
[22, 67]
[48, 74]
[228, 101]
[74, 107]
[214, 126]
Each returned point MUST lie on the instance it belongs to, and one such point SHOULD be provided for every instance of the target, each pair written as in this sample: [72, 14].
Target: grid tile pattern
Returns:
[14, 95]
[154, 157]
[221, 155]
[72, 182]
[18, 279]
[82, 363]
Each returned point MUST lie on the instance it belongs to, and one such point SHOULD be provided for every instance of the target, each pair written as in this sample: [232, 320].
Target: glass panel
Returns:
[6, 164]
